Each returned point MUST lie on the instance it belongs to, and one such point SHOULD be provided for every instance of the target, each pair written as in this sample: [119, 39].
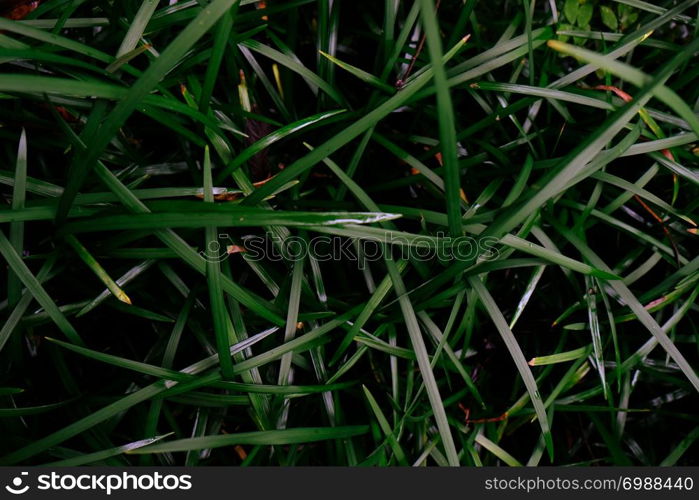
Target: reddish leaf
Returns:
[17, 9]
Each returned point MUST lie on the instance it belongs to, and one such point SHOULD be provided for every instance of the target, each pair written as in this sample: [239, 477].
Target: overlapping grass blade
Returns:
[517, 356]
[150, 79]
[264, 438]
[34, 287]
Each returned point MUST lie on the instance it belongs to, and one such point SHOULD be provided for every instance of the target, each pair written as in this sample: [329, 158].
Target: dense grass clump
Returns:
[314, 232]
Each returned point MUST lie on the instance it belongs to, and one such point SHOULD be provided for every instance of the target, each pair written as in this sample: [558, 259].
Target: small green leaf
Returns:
[585, 14]
[609, 18]
[570, 9]
[627, 15]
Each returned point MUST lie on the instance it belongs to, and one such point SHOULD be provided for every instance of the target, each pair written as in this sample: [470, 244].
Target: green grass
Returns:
[152, 151]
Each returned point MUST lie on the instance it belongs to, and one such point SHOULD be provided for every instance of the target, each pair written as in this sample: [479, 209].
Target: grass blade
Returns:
[149, 80]
[34, 286]
[19, 193]
[517, 356]
[424, 363]
[96, 268]
[262, 438]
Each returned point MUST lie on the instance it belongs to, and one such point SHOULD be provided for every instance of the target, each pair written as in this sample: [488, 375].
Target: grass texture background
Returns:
[144, 142]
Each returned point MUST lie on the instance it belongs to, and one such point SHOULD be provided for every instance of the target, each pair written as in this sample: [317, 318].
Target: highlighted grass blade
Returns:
[96, 268]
